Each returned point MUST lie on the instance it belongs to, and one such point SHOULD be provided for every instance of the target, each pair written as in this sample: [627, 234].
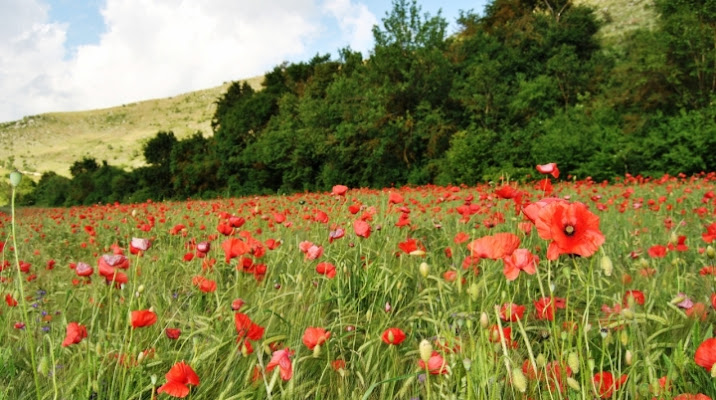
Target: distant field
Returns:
[53, 141]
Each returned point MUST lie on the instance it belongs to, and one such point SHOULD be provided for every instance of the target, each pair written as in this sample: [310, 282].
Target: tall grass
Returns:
[377, 286]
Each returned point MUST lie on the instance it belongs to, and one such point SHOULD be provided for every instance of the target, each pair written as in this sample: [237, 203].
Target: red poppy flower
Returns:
[546, 307]
[178, 377]
[520, 260]
[689, 396]
[494, 247]
[335, 234]
[394, 336]
[705, 355]
[571, 227]
[511, 312]
[339, 190]
[657, 251]
[361, 228]
[606, 385]
[436, 364]
[173, 333]
[327, 269]
[237, 304]
[75, 333]
[83, 269]
[143, 318]
[461, 237]
[411, 245]
[637, 296]
[234, 247]
[313, 337]
[247, 328]
[281, 359]
[204, 284]
[395, 198]
[710, 233]
[138, 244]
[10, 300]
[494, 336]
[550, 169]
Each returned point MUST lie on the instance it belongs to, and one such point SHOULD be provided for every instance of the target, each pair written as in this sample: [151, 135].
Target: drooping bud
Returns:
[573, 362]
[573, 384]
[628, 357]
[519, 381]
[607, 266]
[484, 320]
[424, 269]
[426, 351]
[473, 291]
[710, 252]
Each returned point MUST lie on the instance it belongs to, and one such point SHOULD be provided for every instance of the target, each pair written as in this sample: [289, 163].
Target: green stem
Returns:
[23, 301]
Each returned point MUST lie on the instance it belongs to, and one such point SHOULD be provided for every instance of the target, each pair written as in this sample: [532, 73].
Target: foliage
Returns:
[526, 83]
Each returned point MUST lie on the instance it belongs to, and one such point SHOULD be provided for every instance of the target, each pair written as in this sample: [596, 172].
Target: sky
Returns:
[69, 55]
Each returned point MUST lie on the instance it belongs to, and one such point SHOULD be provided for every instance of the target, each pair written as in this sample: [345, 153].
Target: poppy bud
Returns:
[607, 266]
[713, 371]
[628, 357]
[467, 363]
[710, 252]
[424, 269]
[15, 178]
[473, 291]
[317, 351]
[573, 384]
[627, 313]
[426, 351]
[573, 362]
[519, 381]
[484, 320]
[624, 338]
[140, 357]
[590, 364]
[134, 212]
[153, 379]
[43, 366]
[541, 360]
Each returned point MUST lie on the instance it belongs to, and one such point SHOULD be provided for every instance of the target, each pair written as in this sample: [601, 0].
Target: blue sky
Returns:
[65, 55]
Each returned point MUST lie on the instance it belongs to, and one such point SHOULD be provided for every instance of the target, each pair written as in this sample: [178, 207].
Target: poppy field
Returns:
[550, 289]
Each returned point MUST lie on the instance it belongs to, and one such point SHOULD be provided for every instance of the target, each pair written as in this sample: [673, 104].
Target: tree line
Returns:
[526, 83]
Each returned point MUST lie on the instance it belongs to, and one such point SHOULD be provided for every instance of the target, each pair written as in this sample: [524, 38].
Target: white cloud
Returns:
[157, 48]
[355, 22]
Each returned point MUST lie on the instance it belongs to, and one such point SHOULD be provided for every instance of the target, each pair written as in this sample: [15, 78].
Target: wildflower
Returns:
[519, 260]
[143, 318]
[511, 312]
[234, 247]
[173, 333]
[327, 269]
[204, 284]
[494, 247]
[635, 297]
[361, 228]
[10, 300]
[313, 337]
[394, 336]
[606, 385]
[546, 307]
[339, 190]
[550, 169]
[435, 365]
[571, 227]
[75, 333]
[178, 377]
[281, 359]
[705, 355]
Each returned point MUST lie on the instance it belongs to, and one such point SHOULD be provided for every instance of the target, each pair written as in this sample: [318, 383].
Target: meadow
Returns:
[603, 290]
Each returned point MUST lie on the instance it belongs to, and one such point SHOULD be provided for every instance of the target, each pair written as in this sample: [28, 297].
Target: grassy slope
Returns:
[53, 141]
